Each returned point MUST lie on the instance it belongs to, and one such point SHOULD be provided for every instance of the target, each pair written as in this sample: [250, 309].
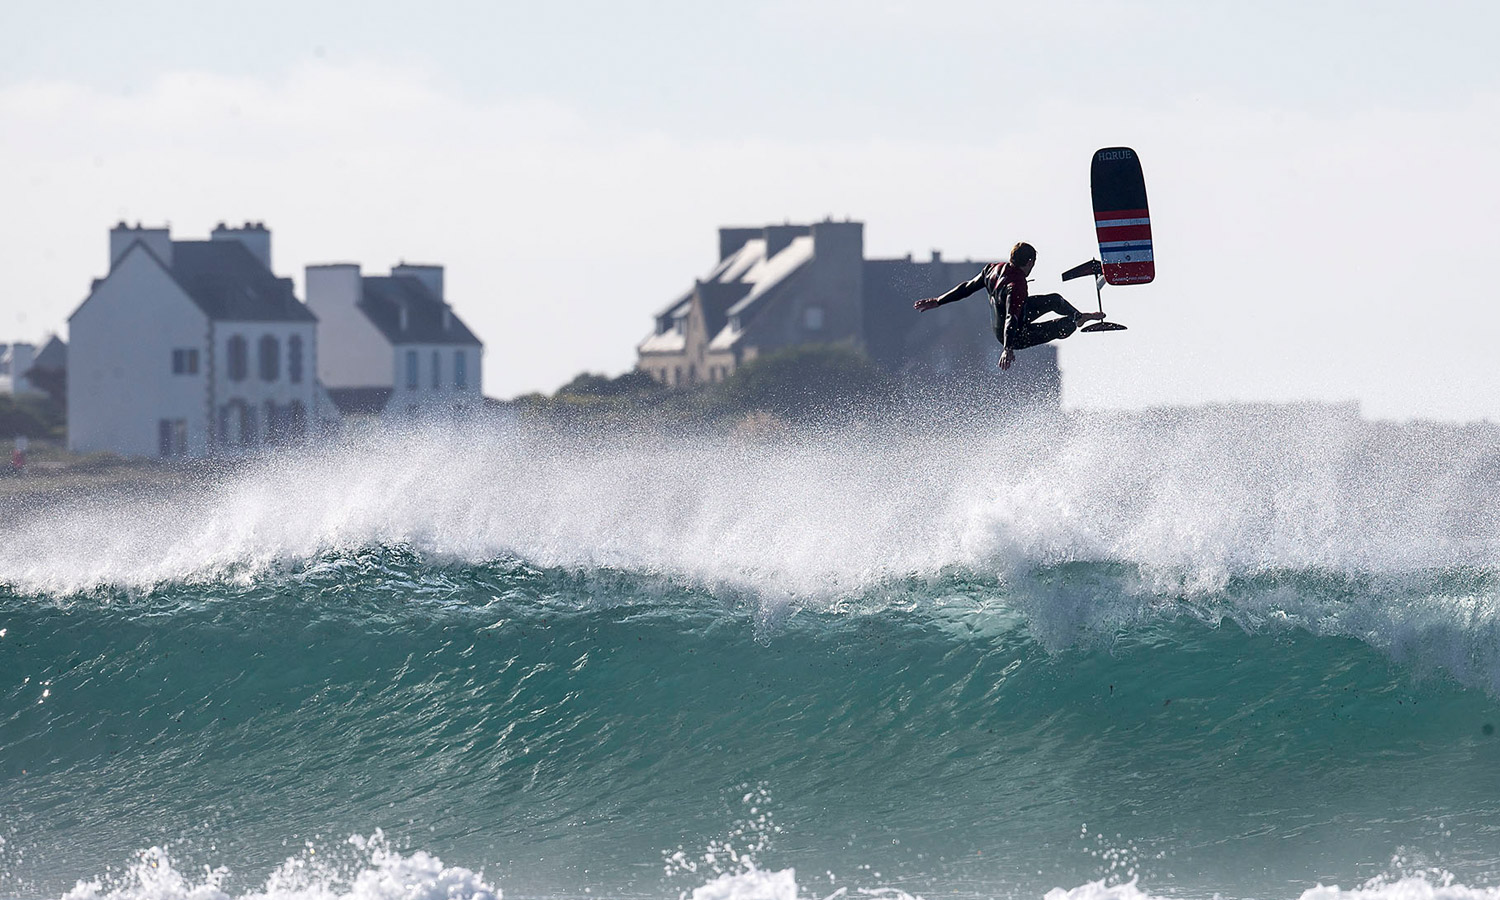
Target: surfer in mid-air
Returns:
[1013, 313]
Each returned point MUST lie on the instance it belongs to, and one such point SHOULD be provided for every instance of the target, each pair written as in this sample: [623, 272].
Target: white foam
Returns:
[1427, 886]
[386, 875]
[1189, 499]
[753, 884]
[1410, 888]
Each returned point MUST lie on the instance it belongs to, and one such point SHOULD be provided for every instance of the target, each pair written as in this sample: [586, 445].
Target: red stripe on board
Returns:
[1124, 233]
[1129, 273]
[1122, 214]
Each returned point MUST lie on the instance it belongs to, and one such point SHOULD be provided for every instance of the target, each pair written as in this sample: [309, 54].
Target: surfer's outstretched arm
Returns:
[959, 292]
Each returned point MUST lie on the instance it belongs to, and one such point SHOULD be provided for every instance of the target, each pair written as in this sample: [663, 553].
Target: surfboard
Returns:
[1121, 216]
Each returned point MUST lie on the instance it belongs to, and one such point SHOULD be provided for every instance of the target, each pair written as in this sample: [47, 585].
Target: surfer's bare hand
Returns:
[926, 303]
[1007, 356]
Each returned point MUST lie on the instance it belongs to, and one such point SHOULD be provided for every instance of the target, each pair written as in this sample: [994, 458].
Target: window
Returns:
[296, 421]
[237, 358]
[411, 370]
[237, 425]
[249, 427]
[270, 358]
[294, 359]
[460, 370]
[437, 371]
[812, 317]
[185, 362]
[171, 437]
[273, 423]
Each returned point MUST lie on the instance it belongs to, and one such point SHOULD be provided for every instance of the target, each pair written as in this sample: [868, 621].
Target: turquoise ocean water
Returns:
[1236, 653]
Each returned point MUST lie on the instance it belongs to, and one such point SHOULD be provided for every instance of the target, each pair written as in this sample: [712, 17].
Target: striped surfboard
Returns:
[1121, 217]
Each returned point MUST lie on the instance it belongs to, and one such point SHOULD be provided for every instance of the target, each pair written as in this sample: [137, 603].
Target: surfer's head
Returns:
[1023, 256]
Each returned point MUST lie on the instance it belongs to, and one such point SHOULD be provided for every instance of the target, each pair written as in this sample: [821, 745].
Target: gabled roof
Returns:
[733, 291]
[384, 298]
[230, 284]
[53, 356]
[767, 274]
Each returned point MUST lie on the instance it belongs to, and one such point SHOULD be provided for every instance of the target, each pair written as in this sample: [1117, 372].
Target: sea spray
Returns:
[1260, 646]
[1190, 499]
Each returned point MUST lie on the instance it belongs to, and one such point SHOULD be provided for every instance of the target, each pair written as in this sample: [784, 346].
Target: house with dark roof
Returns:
[392, 344]
[49, 370]
[191, 348]
[779, 286]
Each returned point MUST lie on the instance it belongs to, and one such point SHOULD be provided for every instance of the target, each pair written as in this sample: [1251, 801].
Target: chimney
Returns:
[254, 235]
[21, 358]
[157, 240]
[732, 239]
[779, 236]
[332, 289]
[430, 276]
[844, 240]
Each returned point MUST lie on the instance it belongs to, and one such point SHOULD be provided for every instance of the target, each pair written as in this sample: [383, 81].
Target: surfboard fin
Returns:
[1095, 268]
[1092, 267]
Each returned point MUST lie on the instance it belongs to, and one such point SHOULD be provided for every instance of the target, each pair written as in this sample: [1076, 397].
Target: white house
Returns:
[15, 361]
[392, 344]
[190, 348]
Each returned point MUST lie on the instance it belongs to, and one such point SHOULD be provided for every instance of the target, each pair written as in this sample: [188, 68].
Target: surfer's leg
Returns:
[1049, 303]
[1043, 332]
[1057, 303]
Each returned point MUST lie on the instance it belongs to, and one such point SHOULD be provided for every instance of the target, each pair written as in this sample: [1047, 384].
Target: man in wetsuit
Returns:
[1012, 313]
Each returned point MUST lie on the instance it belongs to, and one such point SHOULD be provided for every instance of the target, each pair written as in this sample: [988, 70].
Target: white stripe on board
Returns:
[1131, 256]
[1116, 223]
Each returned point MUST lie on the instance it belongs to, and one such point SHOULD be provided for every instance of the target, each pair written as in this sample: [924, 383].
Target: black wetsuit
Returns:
[1013, 314]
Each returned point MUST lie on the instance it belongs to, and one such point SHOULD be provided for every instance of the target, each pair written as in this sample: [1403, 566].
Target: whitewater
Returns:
[1222, 652]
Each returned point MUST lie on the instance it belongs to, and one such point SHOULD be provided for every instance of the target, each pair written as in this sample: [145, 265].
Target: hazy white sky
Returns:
[1323, 176]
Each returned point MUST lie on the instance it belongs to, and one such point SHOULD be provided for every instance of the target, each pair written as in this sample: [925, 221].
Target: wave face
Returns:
[1225, 652]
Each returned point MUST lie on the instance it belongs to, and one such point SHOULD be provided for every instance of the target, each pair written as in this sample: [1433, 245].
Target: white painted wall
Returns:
[255, 391]
[120, 381]
[354, 352]
[426, 398]
[18, 359]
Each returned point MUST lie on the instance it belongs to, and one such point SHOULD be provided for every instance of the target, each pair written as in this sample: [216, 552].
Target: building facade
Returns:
[191, 348]
[392, 344]
[783, 285]
[16, 361]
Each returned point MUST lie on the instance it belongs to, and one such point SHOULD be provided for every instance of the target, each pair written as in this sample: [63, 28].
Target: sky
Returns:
[1323, 177]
